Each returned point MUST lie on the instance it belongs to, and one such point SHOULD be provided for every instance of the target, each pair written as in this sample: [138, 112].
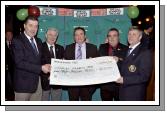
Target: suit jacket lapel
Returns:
[134, 54]
[56, 51]
[106, 49]
[87, 52]
[73, 51]
[46, 49]
[38, 46]
[27, 43]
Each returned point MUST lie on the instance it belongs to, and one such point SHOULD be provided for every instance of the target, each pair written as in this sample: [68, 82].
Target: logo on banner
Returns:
[48, 11]
[81, 13]
[115, 11]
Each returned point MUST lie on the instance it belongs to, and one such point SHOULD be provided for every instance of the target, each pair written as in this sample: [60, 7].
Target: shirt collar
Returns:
[50, 45]
[133, 47]
[27, 36]
[146, 32]
[82, 45]
[112, 46]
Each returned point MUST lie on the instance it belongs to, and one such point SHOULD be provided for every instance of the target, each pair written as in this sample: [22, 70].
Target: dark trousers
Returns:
[109, 92]
[84, 93]
[9, 90]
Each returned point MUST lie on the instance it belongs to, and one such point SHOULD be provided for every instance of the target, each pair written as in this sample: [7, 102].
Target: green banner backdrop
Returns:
[96, 22]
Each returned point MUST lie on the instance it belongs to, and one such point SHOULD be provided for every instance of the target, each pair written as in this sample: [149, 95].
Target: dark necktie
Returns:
[33, 46]
[128, 52]
[51, 52]
[79, 52]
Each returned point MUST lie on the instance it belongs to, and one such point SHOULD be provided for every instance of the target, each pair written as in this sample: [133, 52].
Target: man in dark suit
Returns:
[135, 69]
[148, 39]
[51, 50]
[110, 91]
[9, 92]
[80, 50]
[27, 58]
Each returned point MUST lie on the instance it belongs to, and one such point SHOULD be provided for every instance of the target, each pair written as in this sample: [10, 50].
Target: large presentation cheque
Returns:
[83, 72]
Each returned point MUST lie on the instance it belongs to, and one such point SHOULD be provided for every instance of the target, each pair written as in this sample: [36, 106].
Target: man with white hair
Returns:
[135, 69]
[51, 50]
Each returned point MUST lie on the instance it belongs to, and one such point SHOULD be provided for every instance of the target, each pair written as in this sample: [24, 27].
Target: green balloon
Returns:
[133, 12]
[22, 14]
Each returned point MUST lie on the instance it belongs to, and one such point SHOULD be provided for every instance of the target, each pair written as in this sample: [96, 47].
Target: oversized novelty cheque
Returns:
[83, 72]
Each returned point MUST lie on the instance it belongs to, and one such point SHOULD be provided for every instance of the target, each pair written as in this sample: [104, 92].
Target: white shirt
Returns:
[29, 38]
[8, 43]
[53, 48]
[133, 47]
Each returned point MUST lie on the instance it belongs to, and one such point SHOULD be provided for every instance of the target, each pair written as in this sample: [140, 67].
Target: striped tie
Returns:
[79, 52]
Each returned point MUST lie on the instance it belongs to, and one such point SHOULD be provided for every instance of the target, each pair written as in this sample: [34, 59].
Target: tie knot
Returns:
[79, 46]
[128, 53]
[51, 47]
[31, 39]
[10, 42]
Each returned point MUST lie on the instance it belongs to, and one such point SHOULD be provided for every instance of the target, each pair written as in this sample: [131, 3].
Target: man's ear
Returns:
[24, 26]
[46, 36]
[85, 38]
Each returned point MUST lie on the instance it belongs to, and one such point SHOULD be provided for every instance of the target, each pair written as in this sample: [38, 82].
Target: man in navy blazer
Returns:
[27, 61]
[135, 69]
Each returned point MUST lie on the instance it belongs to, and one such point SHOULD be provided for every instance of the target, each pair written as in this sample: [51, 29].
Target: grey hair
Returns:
[53, 29]
[136, 28]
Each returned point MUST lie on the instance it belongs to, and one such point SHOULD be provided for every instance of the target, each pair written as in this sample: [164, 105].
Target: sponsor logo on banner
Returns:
[65, 12]
[81, 13]
[48, 11]
[98, 12]
[115, 11]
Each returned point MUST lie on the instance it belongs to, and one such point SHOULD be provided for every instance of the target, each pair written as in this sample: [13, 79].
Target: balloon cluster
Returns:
[133, 12]
[31, 11]
[21, 14]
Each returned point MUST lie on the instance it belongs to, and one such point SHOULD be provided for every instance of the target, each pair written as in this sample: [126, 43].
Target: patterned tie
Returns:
[79, 52]
[51, 52]
[128, 53]
[34, 47]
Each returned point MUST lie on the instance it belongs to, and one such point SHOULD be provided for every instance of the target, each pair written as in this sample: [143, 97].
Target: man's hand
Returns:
[46, 68]
[116, 58]
[120, 80]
